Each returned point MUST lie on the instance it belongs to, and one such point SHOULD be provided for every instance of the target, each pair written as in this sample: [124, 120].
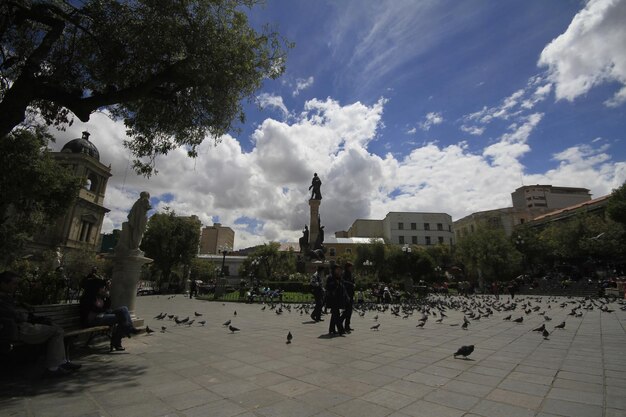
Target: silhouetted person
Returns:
[316, 184]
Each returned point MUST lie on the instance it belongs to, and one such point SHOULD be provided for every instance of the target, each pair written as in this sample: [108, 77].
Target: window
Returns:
[85, 231]
[414, 240]
[400, 226]
[439, 226]
[521, 221]
[450, 228]
[413, 226]
[426, 226]
[428, 240]
[332, 252]
[348, 250]
[401, 240]
[440, 238]
[472, 228]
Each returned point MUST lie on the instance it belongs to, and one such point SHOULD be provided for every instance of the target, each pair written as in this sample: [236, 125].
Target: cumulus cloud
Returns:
[430, 120]
[302, 84]
[262, 193]
[590, 52]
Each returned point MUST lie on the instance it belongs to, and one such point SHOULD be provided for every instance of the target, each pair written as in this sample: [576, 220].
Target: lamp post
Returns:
[224, 250]
[519, 244]
[408, 283]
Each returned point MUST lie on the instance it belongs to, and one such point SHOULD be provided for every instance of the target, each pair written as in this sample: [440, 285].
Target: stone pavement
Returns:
[399, 370]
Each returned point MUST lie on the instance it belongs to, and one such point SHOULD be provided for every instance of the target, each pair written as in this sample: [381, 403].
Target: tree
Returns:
[266, 262]
[616, 206]
[35, 189]
[488, 254]
[174, 71]
[171, 241]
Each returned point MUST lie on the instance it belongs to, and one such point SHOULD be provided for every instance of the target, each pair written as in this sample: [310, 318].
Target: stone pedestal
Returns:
[314, 225]
[126, 274]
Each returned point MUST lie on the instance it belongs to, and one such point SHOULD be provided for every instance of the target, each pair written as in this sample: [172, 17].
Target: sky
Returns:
[430, 106]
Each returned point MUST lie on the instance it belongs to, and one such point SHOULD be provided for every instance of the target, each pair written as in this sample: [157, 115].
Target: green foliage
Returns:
[35, 189]
[203, 269]
[267, 263]
[489, 255]
[174, 71]
[171, 241]
[616, 206]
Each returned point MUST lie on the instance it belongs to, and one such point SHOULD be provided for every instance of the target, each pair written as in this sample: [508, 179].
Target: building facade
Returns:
[406, 228]
[548, 197]
[213, 239]
[80, 228]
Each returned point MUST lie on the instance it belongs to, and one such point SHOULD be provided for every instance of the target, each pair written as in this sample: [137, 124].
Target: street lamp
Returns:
[224, 250]
[408, 284]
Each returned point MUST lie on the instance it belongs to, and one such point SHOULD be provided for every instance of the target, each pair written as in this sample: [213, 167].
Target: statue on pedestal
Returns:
[316, 184]
[134, 228]
[304, 240]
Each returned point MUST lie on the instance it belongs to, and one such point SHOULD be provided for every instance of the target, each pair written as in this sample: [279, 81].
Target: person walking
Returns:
[348, 284]
[317, 288]
[335, 300]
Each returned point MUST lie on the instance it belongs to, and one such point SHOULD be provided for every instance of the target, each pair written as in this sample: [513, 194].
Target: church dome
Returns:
[82, 145]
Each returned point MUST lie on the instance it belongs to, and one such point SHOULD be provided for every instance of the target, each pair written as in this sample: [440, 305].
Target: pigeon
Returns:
[233, 329]
[376, 317]
[226, 323]
[464, 351]
[560, 326]
[289, 337]
[540, 328]
[263, 309]
[185, 320]
[507, 317]
[421, 324]
[375, 327]
[235, 313]
[202, 323]
[465, 324]
[519, 320]
[189, 323]
[547, 318]
[161, 316]
[546, 333]
[163, 329]
[197, 314]
[149, 330]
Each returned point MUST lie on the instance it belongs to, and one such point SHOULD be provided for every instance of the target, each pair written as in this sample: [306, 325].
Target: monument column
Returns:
[314, 225]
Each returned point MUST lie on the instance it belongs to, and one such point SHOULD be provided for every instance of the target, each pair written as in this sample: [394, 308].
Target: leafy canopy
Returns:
[35, 189]
[174, 71]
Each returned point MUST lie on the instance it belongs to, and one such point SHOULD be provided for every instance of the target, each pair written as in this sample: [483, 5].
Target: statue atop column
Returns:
[134, 228]
[316, 184]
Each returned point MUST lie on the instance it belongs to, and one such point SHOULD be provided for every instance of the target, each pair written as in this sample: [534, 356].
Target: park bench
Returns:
[66, 316]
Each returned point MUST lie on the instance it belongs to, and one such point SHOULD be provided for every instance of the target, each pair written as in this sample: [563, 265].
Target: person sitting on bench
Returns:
[95, 310]
[34, 330]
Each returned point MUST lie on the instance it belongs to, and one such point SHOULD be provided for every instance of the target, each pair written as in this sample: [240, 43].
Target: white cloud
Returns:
[411, 131]
[431, 119]
[262, 194]
[473, 130]
[270, 100]
[302, 84]
[590, 52]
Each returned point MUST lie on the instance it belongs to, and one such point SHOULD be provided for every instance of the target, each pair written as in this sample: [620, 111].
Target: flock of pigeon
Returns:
[435, 307]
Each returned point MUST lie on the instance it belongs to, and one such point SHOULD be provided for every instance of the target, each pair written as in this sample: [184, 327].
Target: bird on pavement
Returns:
[289, 337]
[233, 329]
[226, 323]
[560, 326]
[197, 314]
[202, 323]
[546, 333]
[519, 320]
[235, 313]
[507, 317]
[375, 327]
[149, 330]
[540, 328]
[421, 324]
[376, 317]
[189, 323]
[465, 324]
[464, 351]
[163, 329]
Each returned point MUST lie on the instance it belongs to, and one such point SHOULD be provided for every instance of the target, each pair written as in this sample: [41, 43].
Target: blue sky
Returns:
[399, 105]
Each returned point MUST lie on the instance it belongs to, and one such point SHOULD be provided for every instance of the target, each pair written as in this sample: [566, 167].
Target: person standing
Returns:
[335, 300]
[348, 284]
[317, 288]
[193, 288]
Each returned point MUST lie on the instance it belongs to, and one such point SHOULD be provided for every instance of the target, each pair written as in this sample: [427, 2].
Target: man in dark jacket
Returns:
[317, 288]
[335, 300]
[348, 284]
